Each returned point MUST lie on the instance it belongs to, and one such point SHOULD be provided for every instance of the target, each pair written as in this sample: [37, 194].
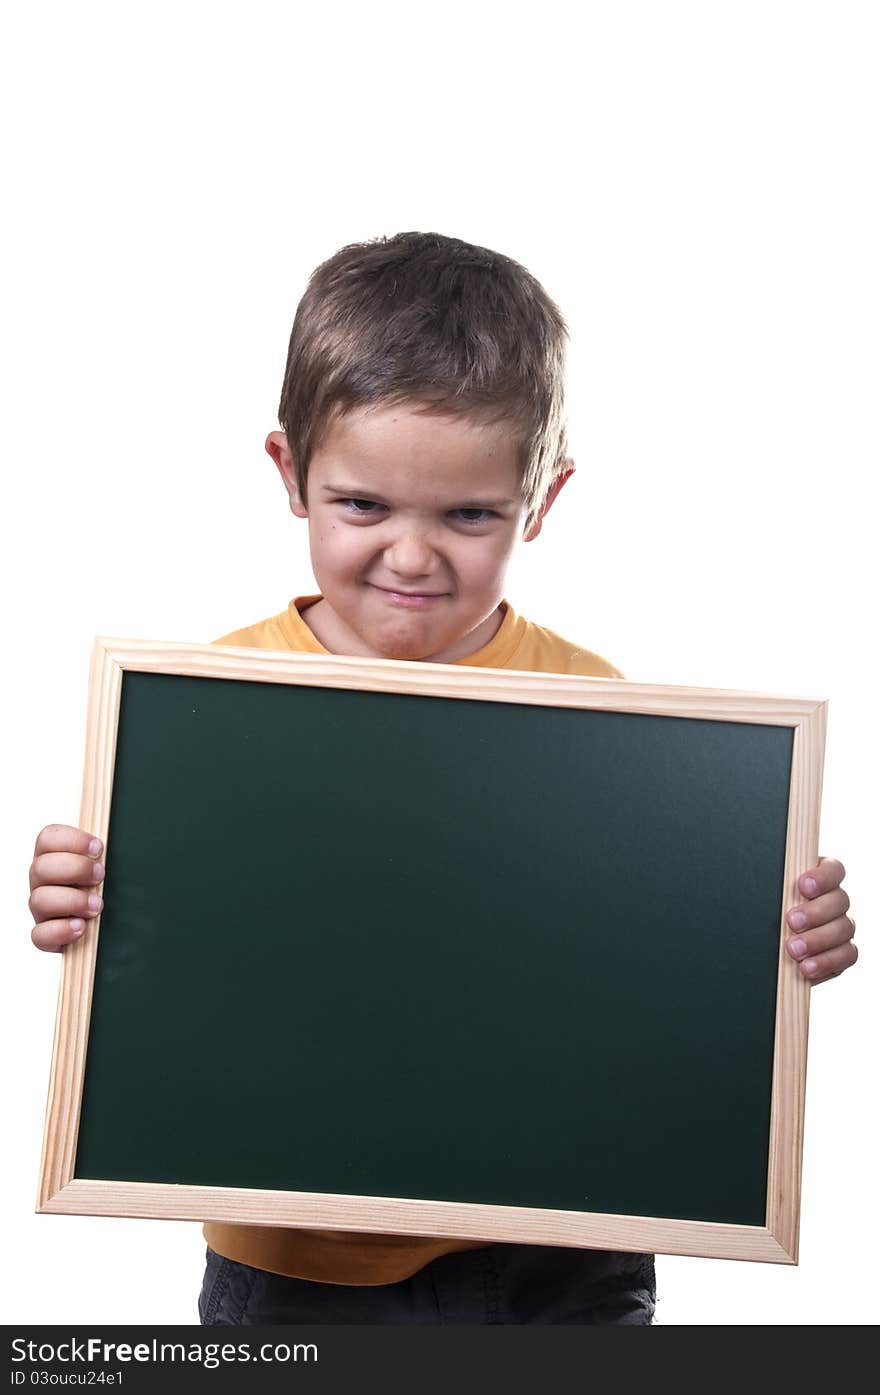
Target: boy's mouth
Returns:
[413, 599]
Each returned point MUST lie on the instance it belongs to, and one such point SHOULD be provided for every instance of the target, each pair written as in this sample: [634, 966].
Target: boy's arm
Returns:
[64, 878]
[822, 939]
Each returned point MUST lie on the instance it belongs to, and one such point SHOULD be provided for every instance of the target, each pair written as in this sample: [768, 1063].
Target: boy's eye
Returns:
[474, 515]
[362, 507]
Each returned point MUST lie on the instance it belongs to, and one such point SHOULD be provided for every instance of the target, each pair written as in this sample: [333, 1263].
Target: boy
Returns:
[423, 436]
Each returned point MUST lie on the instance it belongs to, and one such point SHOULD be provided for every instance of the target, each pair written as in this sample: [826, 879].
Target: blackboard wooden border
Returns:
[776, 1241]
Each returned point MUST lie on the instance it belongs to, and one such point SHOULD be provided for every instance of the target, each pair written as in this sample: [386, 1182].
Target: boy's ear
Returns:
[534, 527]
[277, 447]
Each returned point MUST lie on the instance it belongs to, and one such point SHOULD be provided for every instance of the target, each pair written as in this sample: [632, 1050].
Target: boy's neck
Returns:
[337, 637]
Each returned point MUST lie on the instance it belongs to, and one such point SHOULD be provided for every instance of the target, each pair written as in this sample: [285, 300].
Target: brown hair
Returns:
[427, 319]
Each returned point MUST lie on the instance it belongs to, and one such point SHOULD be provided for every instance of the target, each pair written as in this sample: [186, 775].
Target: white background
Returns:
[694, 183]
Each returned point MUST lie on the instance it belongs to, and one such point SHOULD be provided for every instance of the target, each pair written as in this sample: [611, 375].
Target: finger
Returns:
[60, 837]
[825, 877]
[53, 935]
[59, 902]
[810, 914]
[65, 869]
[816, 942]
[820, 967]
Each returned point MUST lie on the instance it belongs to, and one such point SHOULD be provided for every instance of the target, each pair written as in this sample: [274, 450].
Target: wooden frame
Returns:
[777, 1241]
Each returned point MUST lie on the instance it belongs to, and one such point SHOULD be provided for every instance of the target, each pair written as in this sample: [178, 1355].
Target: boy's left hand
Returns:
[822, 932]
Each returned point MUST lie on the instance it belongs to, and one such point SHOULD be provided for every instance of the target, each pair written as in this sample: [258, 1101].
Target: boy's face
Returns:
[412, 523]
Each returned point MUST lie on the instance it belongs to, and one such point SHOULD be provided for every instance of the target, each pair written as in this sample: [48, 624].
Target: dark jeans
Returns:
[502, 1283]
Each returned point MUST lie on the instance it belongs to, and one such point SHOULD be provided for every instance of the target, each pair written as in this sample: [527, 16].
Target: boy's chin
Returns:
[407, 645]
[410, 652]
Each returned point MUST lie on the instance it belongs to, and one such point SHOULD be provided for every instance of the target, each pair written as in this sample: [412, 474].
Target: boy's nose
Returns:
[411, 555]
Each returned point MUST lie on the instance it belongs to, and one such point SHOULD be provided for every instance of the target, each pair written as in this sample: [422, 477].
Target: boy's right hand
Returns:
[64, 876]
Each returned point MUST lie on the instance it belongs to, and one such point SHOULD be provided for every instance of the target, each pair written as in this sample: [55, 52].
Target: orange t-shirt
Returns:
[354, 1257]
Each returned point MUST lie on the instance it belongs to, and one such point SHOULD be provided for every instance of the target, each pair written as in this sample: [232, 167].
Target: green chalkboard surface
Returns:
[400, 945]
[379, 943]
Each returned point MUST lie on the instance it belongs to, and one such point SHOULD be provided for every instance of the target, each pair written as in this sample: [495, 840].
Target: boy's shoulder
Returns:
[540, 650]
[287, 630]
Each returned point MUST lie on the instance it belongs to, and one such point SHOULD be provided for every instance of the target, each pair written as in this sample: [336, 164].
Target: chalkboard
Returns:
[438, 950]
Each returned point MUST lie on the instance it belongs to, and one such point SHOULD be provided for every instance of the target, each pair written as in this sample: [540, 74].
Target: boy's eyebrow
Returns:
[351, 492]
[481, 503]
